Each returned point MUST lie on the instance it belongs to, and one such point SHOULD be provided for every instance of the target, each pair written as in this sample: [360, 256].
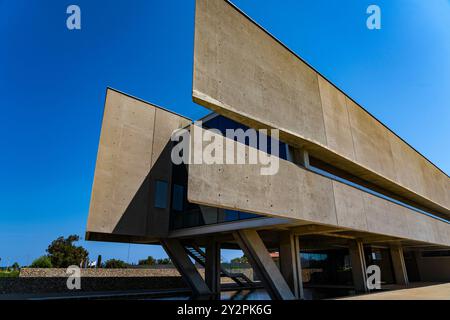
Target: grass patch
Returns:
[9, 274]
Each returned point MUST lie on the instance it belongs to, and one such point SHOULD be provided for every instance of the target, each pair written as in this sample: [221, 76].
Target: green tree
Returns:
[42, 262]
[64, 253]
[115, 264]
[15, 266]
[150, 261]
[163, 261]
[241, 260]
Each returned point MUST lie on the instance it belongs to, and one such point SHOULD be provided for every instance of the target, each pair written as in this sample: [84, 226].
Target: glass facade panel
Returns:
[326, 267]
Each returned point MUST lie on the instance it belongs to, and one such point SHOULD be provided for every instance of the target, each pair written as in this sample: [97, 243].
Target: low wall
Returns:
[101, 272]
[54, 280]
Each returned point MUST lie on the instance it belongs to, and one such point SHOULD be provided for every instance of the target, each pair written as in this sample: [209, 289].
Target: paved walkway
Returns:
[430, 292]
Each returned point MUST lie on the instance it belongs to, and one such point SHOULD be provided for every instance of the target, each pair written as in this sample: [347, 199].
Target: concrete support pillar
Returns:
[398, 264]
[185, 267]
[262, 263]
[290, 265]
[212, 267]
[358, 261]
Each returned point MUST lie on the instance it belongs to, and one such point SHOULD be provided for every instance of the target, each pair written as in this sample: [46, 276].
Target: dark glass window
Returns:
[231, 215]
[222, 124]
[178, 197]
[245, 215]
[161, 194]
[441, 253]
[326, 267]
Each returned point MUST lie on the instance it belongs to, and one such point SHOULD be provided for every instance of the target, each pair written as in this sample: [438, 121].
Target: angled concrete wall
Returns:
[133, 153]
[303, 195]
[240, 71]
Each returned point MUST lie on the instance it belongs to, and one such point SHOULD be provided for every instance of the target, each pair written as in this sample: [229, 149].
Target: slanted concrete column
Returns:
[398, 264]
[358, 261]
[290, 265]
[212, 267]
[262, 263]
[185, 267]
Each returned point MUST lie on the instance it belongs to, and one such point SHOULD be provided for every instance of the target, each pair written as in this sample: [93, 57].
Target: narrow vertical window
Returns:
[178, 197]
[161, 194]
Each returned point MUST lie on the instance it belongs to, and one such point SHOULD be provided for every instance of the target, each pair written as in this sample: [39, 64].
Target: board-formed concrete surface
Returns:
[300, 194]
[429, 292]
[242, 72]
[133, 153]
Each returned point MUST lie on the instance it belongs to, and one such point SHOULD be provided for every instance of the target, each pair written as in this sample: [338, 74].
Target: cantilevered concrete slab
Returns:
[242, 72]
[300, 194]
[133, 153]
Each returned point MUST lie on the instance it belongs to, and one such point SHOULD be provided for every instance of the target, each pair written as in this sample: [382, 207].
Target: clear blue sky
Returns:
[52, 87]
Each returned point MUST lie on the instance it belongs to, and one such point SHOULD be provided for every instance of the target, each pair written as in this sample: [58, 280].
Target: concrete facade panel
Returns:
[290, 193]
[337, 124]
[241, 72]
[165, 124]
[303, 195]
[349, 207]
[385, 217]
[317, 201]
[130, 150]
[251, 76]
[122, 164]
[406, 162]
[371, 141]
[420, 227]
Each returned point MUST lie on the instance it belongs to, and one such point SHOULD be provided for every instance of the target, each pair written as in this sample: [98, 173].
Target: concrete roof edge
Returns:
[147, 102]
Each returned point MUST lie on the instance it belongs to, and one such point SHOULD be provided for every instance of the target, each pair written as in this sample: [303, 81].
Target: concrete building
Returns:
[348, 193]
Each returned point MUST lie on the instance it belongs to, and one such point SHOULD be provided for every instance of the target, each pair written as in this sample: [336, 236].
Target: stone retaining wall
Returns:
[31, 281]
[101, 272]
[54, 280]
